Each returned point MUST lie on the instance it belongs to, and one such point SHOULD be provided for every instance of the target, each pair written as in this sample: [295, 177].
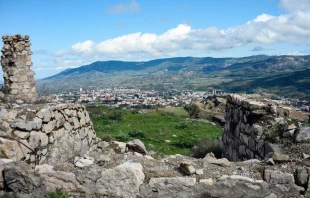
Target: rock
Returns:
[137, 154]
[12, 149]
[199, 172]
[19, 178]
[84, 161]
[208, 182]
[118, 147]
[187, 168]
[44, 114]
[49, 127]
[279, 157]
[44, 169]
[305, 156]
[122, 181]
[103, 144]
[169, 187]
[21, 124]
[272, 195]
[148, 157]
[61, 180]
[303, 135]
[210, 158]
[278, 177]
[301, 177]
[21, 134]
[136, 146]
[270, 161]
[38, 139]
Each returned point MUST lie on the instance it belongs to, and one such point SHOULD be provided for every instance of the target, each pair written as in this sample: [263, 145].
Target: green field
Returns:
[160, 131]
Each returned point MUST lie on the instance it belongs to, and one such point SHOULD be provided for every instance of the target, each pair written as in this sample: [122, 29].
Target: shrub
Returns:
[123, 137]
[187, 140]
[137, 134]
[116, 115]
[182, 125]
[205, 146]
[59, 193]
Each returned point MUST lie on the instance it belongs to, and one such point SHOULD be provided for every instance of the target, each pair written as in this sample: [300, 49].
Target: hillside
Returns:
[229, 74]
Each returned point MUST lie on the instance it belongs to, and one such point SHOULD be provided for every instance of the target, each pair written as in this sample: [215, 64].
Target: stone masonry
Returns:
[52, 133]
[19, 81]
[253, 129]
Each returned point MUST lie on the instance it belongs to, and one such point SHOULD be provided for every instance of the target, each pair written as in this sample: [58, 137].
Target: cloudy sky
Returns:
[73, 33]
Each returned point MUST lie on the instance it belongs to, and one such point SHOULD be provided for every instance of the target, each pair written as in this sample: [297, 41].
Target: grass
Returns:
[177, 111]
[162, 132]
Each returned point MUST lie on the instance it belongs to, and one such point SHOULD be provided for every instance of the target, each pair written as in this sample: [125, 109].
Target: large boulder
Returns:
[123, 180]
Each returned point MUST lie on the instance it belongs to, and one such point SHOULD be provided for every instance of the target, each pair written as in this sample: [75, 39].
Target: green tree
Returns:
[192, 110]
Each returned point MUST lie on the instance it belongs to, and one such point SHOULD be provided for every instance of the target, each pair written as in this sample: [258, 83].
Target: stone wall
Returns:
[45, 133]
[19, 81]
[253, 129]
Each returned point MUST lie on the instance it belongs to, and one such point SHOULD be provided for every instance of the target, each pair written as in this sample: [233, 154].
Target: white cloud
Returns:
[83, 47]
[293, 28]
[125, 8]
[295, 5]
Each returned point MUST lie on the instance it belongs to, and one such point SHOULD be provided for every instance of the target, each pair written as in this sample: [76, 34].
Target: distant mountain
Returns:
[178, 72]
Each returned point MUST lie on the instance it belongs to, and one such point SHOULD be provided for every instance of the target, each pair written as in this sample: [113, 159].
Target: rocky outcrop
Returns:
[19, 84]
[255, 128]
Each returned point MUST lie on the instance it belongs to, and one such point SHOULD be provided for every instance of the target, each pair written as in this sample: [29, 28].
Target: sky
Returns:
[72, 33]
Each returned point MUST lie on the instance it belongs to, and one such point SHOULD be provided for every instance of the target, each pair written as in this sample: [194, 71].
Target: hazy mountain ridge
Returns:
[180, 72]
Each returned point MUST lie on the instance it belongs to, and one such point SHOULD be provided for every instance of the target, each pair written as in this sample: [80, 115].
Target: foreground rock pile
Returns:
[111, 172]
[19, 81]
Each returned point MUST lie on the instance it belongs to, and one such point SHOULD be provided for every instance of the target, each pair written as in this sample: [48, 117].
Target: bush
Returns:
[186, 141]
[123, 137]
[137, 134]
[59, 193]
[182, 125]
[205, 146]
[116, 115]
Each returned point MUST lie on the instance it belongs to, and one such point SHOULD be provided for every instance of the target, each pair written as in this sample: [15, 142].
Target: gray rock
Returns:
[123, 180]
[49, 127]
[187, 168]
[210, 158]
[302, 177]
[170, 187]
[84, 161]
[118, 147]
[303, 135]
[19, 178]
[278, 177]
[136, 146]
[38, 139]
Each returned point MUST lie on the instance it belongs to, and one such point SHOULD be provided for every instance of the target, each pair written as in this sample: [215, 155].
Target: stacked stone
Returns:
[241, 134]
[19, 81]
[56, 133]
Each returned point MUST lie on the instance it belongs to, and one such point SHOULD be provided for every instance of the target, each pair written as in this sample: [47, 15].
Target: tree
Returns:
[192, 110]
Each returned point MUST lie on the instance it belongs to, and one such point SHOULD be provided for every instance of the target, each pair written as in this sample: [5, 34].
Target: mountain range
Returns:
[275, 74]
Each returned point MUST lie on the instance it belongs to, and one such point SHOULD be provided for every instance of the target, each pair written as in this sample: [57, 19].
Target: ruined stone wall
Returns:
[19, 81]
[56, 133]
[253, 129]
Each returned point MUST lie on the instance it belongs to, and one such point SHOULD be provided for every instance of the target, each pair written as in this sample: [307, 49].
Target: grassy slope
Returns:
[156, 126]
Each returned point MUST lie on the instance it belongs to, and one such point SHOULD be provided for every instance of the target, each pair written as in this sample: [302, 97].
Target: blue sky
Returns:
[73, 33]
